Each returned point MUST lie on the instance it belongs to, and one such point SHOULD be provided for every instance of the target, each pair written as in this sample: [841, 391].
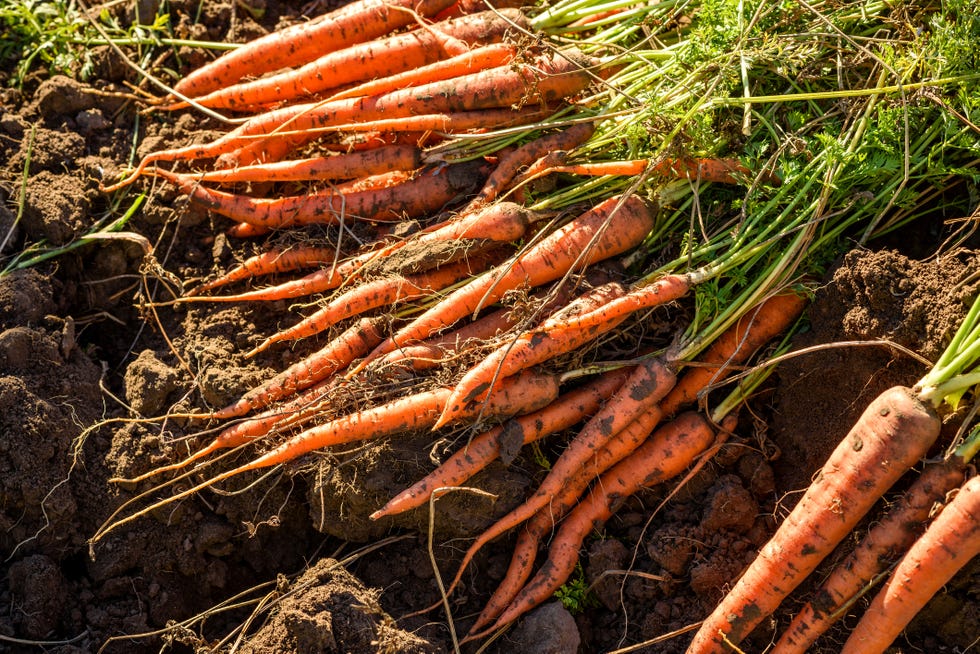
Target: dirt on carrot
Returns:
[71, 329]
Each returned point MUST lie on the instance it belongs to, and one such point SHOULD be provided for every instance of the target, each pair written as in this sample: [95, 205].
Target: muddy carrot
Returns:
[510, 164]
[268, 263]
[948, 544]
[884, 542]
[373, 294]
[664, 456]
[894, 432]
[477, 59]
[569, 409]
[609, 229]
[371, 60]
[429, 191]
[356, 22]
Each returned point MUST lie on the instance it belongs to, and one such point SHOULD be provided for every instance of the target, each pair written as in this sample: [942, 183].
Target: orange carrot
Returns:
[665, 455]
[884, 542]
[356, 22]
[429, 191]
[354, 342]
[334, 167]
[374, 294]
[609, 229]
[895, 431]
[646, 385]
[481, 450]
[503, 222]
[709, 170]
[546, 79]
[267, 263]
[574, 469]
[475, 60]
[510, 164]
[526, 392]
[370, 60]
[948, 544]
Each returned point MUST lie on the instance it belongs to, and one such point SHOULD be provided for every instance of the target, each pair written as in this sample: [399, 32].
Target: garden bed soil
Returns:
[291, 562]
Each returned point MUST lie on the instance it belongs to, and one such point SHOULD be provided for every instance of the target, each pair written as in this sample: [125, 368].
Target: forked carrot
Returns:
[356, 22]
[510, 164]
[528, 392]
[733, 347]
[884, 543]
[662, 457]
[948, 544]
[475, 60]
[569, 409]
[373, 294]
[896, 430]
[428, 192]
[370, 60]
[613, 227]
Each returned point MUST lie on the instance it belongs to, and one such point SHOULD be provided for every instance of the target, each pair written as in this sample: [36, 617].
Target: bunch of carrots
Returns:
[450, 114]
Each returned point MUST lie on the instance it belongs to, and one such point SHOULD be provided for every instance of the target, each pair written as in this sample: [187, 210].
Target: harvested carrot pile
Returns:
[594, 220]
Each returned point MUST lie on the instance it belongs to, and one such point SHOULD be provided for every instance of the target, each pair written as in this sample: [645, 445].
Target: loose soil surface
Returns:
[290, 561]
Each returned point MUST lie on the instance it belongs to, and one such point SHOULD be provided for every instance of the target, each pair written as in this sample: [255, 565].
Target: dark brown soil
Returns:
[291, 562]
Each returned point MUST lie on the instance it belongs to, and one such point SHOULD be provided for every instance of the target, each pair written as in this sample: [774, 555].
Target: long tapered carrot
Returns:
[356, 22]
[731, 348]
[267, 263]
[528, 392]
[722, 171]
[510, 164]
[370, 60]
[502, 222]
[475, 60]
[895, 431]
[569, 409]
[613, 227]
[427, 192]
[948, 544]
[665, 455]
[885, 542]
[374, 294]
[354, 342]
[620, 446]
[546, 79]
[349, 165]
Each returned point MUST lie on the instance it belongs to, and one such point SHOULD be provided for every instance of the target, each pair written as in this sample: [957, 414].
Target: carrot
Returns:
[374, 294]
[334, 167]
[267, 263]
[611, 228]
[665, 455]
[708, 170]
[544, 80]
[573, 468]
[354, 342]
[356, 22]
[884, 542]
[618, 448]
[429, 191]
[510, 164]
[895, 430]
[949, 543]
[475, 60]
[646, 385]
[527, 392]
[481, 450]
[370, 60]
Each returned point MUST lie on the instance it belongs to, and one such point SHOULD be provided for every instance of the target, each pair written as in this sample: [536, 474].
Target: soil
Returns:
[290, 561]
